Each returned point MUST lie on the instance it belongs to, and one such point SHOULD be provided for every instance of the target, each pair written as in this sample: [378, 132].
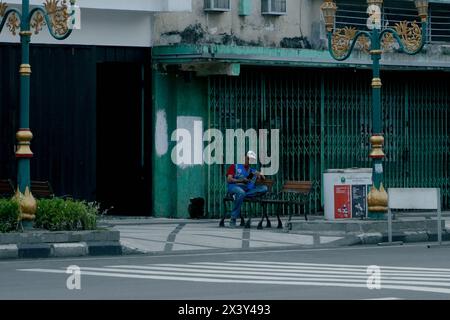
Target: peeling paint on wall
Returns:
[231, 28]
[196, 34]
[295, 43]
[161, 136]
[193, 33]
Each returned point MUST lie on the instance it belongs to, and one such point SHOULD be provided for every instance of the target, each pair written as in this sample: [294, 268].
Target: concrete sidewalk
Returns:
[164, 236]
[160, 235]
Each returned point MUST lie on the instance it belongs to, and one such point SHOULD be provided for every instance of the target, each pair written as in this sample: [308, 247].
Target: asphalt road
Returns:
[407, 272]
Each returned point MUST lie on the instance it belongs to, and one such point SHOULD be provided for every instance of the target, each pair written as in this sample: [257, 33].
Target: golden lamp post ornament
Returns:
[27, 205]
[377, 199]
[410, 37]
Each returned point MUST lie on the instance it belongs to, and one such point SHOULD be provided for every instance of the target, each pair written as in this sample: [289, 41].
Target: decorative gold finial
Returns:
[27, 204]
[377, 199]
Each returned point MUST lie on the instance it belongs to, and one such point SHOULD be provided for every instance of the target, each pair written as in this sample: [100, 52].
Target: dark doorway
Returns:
[123, 169]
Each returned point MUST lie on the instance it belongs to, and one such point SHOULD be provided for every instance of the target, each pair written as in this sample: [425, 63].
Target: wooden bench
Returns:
[300, 189]
[6, 189]
[254, 199]
[42, 190]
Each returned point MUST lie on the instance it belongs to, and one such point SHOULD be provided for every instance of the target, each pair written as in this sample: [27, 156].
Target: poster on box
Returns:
[342, 202]
[359, 200]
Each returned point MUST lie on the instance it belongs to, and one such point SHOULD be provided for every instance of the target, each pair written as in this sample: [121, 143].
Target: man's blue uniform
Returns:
[241, 190]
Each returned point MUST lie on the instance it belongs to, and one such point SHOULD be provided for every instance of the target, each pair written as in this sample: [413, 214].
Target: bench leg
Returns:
[290, 216]
[268, 224]
[280, 224]
[260, 224]
[289, 224]
[222, 221]
[248, 224]
[252, 212]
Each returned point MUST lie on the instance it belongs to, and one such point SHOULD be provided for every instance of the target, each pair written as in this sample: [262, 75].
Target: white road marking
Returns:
[436, 280]
[215, 280]
[271, 271]
[387, 298]
[337, 270]
[228, 252]
[335, 265]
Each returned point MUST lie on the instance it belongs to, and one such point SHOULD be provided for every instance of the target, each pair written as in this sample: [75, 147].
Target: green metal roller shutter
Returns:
[324, 117]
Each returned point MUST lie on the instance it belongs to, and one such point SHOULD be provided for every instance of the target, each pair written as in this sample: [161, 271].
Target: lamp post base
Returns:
[27, 225]
[377, 216]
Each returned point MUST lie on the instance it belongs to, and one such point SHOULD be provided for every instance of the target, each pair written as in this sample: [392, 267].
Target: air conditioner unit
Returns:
[273, 7]
[217, 5]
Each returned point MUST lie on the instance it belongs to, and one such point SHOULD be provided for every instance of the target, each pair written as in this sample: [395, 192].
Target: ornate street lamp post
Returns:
[341, 42]
[57, 16]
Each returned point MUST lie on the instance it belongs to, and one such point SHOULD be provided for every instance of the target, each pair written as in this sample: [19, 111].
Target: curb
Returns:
[59, 250]
[405, 237]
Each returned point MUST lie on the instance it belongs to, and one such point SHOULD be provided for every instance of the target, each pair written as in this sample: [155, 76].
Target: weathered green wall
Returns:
[176, 96]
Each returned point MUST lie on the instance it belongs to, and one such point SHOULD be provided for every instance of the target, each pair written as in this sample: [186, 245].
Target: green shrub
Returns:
[9, 215]
[58, 214]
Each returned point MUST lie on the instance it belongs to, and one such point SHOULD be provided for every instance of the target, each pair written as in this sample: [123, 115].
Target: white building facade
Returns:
[110, 22]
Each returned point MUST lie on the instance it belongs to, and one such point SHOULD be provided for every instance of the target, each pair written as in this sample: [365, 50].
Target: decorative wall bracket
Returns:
[408, 35]
[341, 40]
[55, 14]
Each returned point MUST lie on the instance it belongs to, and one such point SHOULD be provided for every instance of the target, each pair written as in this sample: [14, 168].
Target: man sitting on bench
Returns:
[241, 180]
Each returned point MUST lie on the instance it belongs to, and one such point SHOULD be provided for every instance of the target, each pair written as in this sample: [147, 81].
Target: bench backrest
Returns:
[414, 198]
[42, 189]
[6, 188]
[302, 187]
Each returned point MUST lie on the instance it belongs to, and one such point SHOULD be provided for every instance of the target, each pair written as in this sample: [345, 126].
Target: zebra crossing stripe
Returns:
[272, 277]
[256, 273]
[268, 267]
[332, 265]
[387, 298]
[266, 282]
[300, 272]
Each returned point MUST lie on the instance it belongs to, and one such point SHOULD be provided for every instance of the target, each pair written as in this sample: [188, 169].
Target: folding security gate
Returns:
[324, 118]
